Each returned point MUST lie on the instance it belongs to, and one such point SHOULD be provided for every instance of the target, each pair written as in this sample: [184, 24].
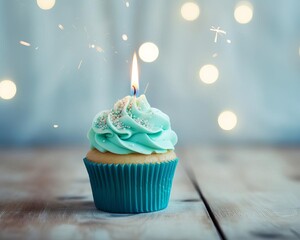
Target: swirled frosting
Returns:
[132, 126]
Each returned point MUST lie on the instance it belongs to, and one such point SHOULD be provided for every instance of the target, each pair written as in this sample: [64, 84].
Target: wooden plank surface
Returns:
[254, 193]
[45, 194]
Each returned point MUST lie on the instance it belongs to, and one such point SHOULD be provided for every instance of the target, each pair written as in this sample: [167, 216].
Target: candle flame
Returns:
[134, 76]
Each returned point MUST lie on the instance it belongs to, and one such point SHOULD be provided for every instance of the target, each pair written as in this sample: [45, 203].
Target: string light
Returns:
[209, 73]
[148, 52]
[190, 11]
[243, 12]
[227, 120]
[45, 4]
[8, 89]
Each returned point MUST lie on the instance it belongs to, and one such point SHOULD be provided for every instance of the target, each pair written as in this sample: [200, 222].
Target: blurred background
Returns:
[224, 73]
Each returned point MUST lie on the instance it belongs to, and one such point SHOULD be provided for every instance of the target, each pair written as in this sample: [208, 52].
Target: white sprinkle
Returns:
[127, 4]
[91, 46]
[146, 88]
[61, 27]
[25, 43]
[124, 37]
[228, 41]
[55, 126]
[214, 55]
[79, 65]
[218, 32]
[36, 48]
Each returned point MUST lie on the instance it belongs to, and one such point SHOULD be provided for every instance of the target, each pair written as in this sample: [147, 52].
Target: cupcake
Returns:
[131, 162]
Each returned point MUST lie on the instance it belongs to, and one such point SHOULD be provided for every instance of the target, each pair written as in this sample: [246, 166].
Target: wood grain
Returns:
[45, 194]
[254, 193]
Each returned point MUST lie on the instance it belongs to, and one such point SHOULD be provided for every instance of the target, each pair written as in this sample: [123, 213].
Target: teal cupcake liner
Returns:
[131, 188]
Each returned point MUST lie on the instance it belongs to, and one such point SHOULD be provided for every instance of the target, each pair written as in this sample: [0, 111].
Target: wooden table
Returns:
[218, 193]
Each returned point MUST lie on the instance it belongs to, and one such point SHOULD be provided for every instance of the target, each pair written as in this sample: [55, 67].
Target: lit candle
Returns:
[134, 89]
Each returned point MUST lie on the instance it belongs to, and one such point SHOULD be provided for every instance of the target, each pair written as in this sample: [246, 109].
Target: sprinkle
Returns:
[124, 37]
[103, 141]
[55, 126]
[79, 65]
[144, 123]
[228, 41]
[25, 43]
[115, 116]
[100, 122]
[146, 88]
[218, 32]
[61, 27]
[214, 55]
[127, 4]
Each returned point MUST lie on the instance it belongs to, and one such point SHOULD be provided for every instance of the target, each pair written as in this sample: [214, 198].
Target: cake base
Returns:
[107, 157]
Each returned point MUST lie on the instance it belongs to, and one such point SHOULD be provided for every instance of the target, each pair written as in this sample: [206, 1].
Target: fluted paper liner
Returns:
[131, 188]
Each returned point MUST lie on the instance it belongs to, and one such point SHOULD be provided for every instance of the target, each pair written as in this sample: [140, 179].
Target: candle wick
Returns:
[134, 90]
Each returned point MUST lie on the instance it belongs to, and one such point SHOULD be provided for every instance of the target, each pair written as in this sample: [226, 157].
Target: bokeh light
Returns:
[8, 89]
[148, 52]
[190, 11]
[227, 120]
[209, 73]
[243, 12]
[124, 37]
[45, 4]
